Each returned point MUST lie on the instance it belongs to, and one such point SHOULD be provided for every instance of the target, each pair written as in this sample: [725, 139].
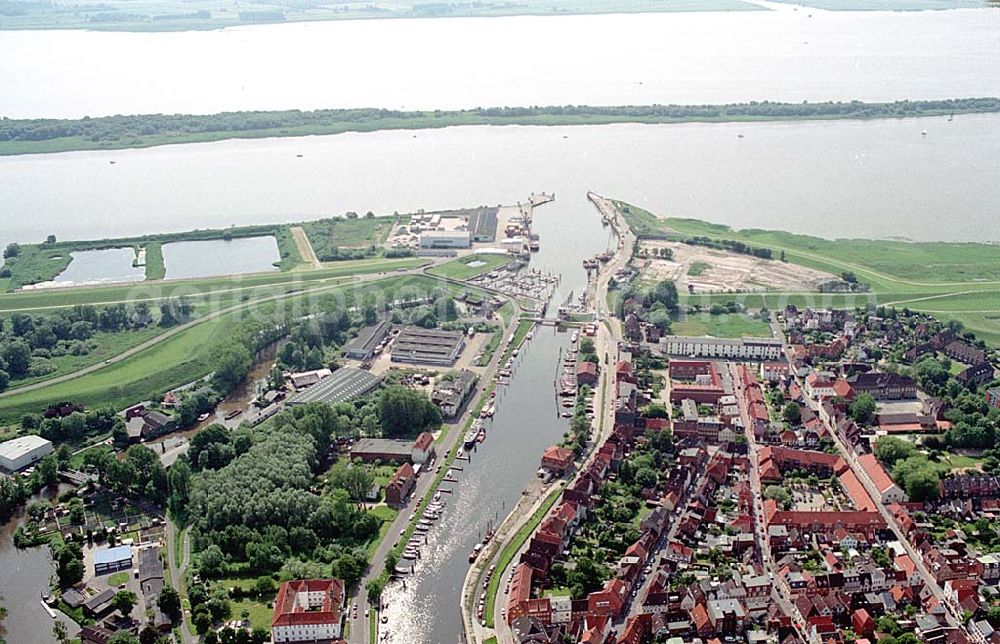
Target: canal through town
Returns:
[526, 422]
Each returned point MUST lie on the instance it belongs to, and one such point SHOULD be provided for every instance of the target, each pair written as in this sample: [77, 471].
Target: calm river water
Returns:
[830, 178]
[708, 57]
[24, 574]
[526, 422]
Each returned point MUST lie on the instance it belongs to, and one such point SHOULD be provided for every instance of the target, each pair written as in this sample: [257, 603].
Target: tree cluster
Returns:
[730, 245]
[655, 305]
[28, 342]
[258, 510]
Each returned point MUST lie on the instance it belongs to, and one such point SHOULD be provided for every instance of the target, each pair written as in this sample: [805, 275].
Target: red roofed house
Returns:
[308, 610]
[558, 459]
[400, 486]
[520, 592]
[843, 389]
[423, 448]
[586, 373]
[607, 602]
[962, 593]
[888, 491]
[818, 386]
[623, 372]
[863, 623]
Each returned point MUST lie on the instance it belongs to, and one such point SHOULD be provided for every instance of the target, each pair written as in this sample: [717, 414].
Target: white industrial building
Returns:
[445, 239]
[707, 347]
[19, 453]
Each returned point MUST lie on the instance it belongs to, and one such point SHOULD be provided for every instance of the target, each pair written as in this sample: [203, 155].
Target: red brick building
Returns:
[400, 485]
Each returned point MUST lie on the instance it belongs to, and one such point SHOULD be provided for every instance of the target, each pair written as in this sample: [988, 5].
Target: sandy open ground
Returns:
[726, 271]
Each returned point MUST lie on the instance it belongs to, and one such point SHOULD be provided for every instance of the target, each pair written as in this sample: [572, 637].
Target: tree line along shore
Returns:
[34, 136]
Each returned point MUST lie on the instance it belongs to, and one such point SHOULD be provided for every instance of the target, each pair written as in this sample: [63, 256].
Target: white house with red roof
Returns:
[888, 491]
[308, 610]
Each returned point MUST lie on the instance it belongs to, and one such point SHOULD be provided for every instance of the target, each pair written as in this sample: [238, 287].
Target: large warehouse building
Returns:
[344, 384]
[445, 239]
[428, 346]
[19, 453]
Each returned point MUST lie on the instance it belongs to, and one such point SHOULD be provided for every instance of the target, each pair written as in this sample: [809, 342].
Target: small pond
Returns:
[215, 257]
[100, 267]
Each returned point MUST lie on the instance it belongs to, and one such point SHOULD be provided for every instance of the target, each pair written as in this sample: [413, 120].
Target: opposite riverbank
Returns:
[40, 136]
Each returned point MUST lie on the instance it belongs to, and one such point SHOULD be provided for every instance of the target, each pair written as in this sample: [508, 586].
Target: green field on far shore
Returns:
[35, 136]
[950, 280]
[179, 15]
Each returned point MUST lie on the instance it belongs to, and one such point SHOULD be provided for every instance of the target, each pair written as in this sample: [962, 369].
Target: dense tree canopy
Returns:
[406, 412]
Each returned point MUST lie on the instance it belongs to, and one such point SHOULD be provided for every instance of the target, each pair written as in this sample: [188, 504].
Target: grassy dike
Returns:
[214, 289]
[180, 358]
[38, 136]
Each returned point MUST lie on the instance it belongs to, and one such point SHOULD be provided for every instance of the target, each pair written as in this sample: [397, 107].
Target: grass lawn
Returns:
[523, 326]
[260, 613]
[960, 461]
[470, 266]
[117, 579]
[884, 263]
[107, 345]
[325, 235]
[729, 325]
[490, 347]
[507, 554]
[506, 311]
[697, 268]
[179, 545]
[76, 461]
[179, 359]
[155, 268]
[386, 515]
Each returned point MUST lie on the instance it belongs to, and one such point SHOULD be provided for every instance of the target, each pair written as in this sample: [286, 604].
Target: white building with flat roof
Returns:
[708, 347]
[19, 453]
[445, 239]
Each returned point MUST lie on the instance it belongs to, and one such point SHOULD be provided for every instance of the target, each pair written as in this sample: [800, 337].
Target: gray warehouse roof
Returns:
[17, 447]
[344, 384]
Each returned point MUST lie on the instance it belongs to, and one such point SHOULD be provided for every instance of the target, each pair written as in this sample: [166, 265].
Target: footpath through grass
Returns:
[509, 550]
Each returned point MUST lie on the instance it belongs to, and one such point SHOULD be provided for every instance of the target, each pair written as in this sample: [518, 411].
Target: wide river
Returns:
[830, 178]
[707, 57]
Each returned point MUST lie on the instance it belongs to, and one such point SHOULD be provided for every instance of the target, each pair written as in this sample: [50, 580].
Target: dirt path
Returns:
[305, 248]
